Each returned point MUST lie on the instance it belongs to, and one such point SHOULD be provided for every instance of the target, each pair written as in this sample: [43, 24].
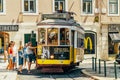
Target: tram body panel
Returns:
[78, 55]
[52, 62]
[49, 61]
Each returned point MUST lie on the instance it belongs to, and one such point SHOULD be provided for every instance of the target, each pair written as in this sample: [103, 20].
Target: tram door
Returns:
[72, 42]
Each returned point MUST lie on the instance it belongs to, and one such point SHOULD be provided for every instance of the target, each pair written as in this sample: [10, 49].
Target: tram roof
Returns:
[60, 22]
[57, 21]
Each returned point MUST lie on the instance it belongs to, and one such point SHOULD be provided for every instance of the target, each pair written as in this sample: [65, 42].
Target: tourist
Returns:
[14, 55]
[25, 54]
[30, 55]
[10, 56]
[20, 55]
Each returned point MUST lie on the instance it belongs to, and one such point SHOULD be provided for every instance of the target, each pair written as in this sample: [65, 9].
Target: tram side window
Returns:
[52, 36]
[64, 36]
[42, 33]
[80, 41]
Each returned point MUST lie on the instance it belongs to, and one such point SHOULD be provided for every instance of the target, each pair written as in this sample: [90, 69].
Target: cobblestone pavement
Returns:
[6, 74]
[75, 74]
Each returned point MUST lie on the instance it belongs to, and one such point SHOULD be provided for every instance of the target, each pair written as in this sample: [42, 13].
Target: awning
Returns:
[115, 37]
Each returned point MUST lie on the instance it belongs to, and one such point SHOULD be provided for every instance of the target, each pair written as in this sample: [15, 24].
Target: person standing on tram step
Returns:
[20, 55]
[30, 55]
[25, 54]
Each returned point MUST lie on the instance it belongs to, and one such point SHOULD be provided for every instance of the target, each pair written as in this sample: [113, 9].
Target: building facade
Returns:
[96, 16]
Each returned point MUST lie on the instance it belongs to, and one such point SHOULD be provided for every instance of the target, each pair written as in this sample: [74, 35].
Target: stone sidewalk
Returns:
[86, 65]
[6, 74]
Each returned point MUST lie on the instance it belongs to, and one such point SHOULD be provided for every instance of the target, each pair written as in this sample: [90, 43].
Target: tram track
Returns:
[74, 74]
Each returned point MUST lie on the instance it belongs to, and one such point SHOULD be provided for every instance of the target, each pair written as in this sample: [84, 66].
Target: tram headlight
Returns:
[51, 56]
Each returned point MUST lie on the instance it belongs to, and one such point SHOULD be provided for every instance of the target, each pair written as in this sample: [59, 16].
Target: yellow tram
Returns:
[60, 43]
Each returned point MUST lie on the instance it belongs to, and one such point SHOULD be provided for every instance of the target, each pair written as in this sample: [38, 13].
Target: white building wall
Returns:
[104, 41]
[95, 28]
[24, 28]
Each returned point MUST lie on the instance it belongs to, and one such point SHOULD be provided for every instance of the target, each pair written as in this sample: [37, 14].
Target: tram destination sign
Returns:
[9, 27]
[55, 16]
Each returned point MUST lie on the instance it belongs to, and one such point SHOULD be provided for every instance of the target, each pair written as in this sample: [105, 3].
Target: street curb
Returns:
[90, 75]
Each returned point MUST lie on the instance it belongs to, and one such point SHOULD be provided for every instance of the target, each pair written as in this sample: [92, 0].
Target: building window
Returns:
[113, 6]
[59, 5]
[29, 6]
[1, 5]
[87, 6]
[80, 40]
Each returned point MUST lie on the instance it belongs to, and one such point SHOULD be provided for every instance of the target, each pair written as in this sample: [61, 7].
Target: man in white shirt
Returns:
[15, 51]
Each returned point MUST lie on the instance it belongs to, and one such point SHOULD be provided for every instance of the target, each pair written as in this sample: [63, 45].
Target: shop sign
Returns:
[114, 28]
[9, 27]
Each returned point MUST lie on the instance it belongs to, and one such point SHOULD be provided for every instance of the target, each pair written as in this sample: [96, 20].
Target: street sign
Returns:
[9, 27]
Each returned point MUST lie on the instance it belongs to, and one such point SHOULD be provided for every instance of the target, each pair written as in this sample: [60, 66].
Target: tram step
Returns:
[51, 70]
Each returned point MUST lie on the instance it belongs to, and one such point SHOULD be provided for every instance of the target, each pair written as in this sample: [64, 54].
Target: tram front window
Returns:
[42, 33]
[60, 53]
[52, 36]
[64, 36]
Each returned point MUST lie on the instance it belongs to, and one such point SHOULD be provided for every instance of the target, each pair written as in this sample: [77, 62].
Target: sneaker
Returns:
[20, 72]
[29, 72]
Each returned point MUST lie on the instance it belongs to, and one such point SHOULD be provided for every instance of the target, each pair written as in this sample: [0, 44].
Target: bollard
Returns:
[115, 70]
[99, 66]
[95, 64]
[92, 63]
[105, 68]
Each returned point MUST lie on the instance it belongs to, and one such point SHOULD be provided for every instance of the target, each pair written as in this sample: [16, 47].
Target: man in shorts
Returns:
[14, 55]
[30, 55]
